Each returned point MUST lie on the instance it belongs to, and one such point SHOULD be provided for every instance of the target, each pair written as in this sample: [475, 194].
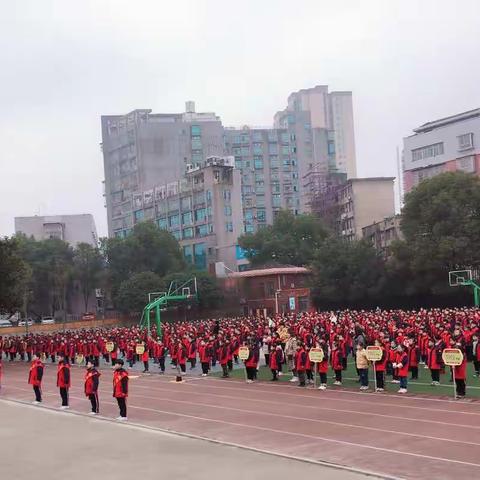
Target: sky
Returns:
[65, 63]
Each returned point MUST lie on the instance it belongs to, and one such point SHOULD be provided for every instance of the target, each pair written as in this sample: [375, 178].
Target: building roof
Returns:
[447, 120]
[263, 272]
[370, 179]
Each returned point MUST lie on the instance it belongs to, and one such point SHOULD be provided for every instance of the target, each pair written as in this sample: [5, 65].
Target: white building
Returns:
[444, 145]
[73, 229]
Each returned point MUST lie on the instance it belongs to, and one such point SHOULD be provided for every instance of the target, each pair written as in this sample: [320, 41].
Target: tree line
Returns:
[441, 231]
[44, 274]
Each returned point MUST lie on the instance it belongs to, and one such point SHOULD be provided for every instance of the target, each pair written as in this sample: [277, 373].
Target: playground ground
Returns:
[413, 436]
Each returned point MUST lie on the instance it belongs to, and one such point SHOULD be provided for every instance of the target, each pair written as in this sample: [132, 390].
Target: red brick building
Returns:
[268, 291]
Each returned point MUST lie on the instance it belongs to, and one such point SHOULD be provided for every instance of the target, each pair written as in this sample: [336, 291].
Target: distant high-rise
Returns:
[280, 166]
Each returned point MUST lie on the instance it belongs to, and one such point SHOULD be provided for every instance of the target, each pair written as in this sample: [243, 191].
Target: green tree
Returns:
[132, 295]
[441, 226]
[347, 273]
[14, 276]
[147, 248]
[51, 263]
[291, 240]
[87, 269]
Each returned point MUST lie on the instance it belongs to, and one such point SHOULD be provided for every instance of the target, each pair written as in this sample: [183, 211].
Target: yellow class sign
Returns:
[452, 357]
[140, 349]
[316, 355]
[109, 346]
[243, 353]
[374, 353]
[79, 358]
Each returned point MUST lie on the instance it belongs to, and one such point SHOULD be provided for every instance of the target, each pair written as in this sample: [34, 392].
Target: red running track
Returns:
[398, 436]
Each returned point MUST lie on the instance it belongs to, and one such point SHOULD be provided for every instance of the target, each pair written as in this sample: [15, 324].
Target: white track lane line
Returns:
[302, 435]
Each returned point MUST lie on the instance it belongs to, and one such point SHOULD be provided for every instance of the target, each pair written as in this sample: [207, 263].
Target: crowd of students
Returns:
[408, 340]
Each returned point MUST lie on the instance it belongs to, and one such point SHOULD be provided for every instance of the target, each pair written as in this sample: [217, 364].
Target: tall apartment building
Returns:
[444, 145]
[277, 166]
[351, 206]
[73, 229]
[202, 211]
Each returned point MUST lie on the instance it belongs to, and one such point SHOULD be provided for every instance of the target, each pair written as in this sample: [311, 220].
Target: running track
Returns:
[401, 437]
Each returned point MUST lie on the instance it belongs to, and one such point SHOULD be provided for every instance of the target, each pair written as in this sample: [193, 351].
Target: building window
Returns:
[249, 229]
[196, 143]
[195, 130]
[139, 215]
[272, 148]
[186, 203]
[197, 158]
[199, 253]
[227, 195]
[201, 230]
[200, 215]
[331, 148]
[276, 200]
[177, 234]
[245, 151]
[261, 215]
[188, 233]
[187, 253]
[465, 141]
[257, 136]
[187, 218]
[227, 210]
[285, 137]
[285, 149]
[174, 220]
[229, 227]
[427, 152]
[258, 163]
[162, 223]
[260, 200]
[249, 214]
[238, 163]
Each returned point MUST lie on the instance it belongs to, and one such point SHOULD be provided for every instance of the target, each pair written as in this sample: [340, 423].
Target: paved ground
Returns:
[411, 436]
[37, 442]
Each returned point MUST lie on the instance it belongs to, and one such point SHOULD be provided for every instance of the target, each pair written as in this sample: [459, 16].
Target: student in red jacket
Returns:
[120, 388]
[461, 374]
[434, 360]
[145, 359]
[63, 379]
[322, 367]
[251, 363]
[336, 361]
[276, 360]
[401, 366]
[92, 377]
[300, 363]
[380, 367]
[205, 352]
[413, 359]
[35, 377]
[476, 354]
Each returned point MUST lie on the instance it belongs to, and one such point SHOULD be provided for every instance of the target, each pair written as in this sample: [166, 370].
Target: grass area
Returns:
[422, 385]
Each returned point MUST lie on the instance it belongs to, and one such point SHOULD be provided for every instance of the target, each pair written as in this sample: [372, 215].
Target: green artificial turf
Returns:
[422, 385]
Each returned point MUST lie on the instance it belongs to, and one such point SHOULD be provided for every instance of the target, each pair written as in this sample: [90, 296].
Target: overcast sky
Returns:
[64, 63]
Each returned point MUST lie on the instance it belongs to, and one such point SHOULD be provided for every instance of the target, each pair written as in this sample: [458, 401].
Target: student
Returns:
[159, 354]
[92, 377]
[301, 364]
[434, 361]
[120, 388]
[63, 379]
[380, 367]
[413, 359]
[276, 359]
[401, 366]
[223, 358]
[476, 354]
[251, 363]
[336, 361]
[35, 377]
[322, 367]
[145, 357]
[362, 366]
[205, 354]
[461, 374]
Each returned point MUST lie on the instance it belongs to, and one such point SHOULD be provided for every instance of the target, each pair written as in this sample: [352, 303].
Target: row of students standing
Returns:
[91, 383]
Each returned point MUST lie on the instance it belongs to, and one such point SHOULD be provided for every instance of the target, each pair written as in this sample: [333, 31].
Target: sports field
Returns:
[391, 435]
[420, 386]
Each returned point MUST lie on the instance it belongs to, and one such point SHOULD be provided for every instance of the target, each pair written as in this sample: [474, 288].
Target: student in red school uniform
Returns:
[63, 379]
[276, 360]
[401, 366]
[35, 377]
[205, 354]
[322, 367]
[145, 359]
[300, 363]
[336, 361]
[380, 367]
[461, 374]
[92, 377]
[413, 359]
[476, 354]
[434, 360]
